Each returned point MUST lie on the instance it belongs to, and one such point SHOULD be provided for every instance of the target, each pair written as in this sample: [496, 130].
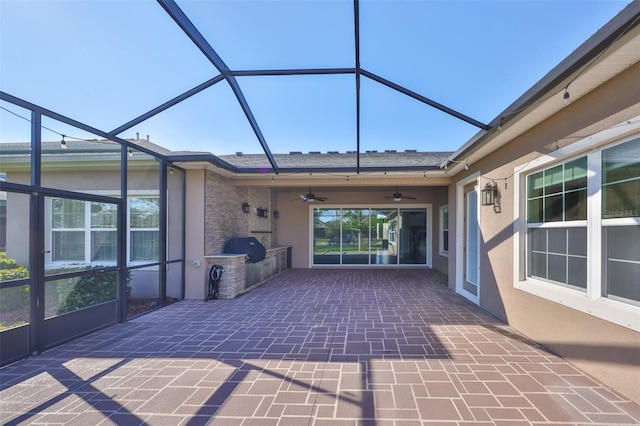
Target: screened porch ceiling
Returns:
[218, 80]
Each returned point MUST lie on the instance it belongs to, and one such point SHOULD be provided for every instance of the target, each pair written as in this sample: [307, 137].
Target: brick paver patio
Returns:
[311, 347]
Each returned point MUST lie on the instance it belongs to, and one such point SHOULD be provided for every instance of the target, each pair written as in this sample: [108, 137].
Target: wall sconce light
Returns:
[490, 194]
[260, 212]
[246, 208]
[276, 214]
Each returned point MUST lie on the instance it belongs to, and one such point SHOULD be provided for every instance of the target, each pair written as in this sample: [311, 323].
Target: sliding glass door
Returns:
[355, 237]
[384, 239]
[370, 236]
[326, 236]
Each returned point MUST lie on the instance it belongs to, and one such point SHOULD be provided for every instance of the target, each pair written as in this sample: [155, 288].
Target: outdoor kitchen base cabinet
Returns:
[240, 276]
[255, 273]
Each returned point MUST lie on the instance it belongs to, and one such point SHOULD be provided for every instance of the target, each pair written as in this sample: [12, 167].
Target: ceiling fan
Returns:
[311, 197]
[397, 196]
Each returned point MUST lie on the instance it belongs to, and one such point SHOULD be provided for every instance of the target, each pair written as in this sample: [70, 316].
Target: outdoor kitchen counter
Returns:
[240, 276]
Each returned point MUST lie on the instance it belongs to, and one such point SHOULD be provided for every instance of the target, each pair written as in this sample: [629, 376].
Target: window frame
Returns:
[131, 230]
[441, 237]
[547, 224]
[592, 301]
[86, 216]
[88, 231]
[95, 230]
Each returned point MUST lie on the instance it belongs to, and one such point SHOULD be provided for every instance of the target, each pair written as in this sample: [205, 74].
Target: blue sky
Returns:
[106, 62]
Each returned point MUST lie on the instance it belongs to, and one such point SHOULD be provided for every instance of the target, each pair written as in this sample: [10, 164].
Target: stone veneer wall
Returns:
[232, 282]
[273, 206]
[260, 227]
[223, 213]
[224, 218]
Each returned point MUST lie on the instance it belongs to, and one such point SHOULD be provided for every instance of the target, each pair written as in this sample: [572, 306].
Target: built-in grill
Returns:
[246, 245]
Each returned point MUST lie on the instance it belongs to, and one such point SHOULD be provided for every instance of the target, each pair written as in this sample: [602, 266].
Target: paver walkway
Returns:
[311, 347]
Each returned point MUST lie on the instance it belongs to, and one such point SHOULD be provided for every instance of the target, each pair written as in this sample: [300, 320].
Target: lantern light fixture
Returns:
[490, 194]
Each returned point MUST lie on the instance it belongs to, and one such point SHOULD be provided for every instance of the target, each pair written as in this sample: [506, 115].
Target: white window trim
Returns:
[49, 230]
[130, 230]
[472, 272]
[591, 302]
[87, 230]
[441, 249]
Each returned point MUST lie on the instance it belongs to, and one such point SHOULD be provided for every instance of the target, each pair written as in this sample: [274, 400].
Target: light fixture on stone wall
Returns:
[276, 214]
[262, 212]
[246, 208]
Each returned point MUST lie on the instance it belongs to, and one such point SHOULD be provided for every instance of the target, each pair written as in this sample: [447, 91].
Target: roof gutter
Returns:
[340, 169]
[218, 162]
[208, 157]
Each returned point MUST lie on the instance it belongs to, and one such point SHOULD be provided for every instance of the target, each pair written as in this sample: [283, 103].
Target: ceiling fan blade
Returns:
[397, 196]
[310, 197]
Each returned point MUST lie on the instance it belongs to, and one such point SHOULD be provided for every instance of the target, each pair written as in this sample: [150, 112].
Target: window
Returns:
[83, 231]
[580, 243]
[444, 230]
[620, 229]
[144, 224]
[86, 231]
[556, 221]
[68, 230]
[104, 219]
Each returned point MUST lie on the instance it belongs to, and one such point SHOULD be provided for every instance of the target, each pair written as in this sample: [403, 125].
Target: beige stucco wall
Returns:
[18, 227]
[175, 219]
[194, 275]
[608, 351]
[440, 262]
[293, 227]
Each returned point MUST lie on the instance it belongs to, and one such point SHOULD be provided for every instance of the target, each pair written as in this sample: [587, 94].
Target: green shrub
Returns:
[13, 297]
[7, 263]
[10, 270]
[89, 290]
[17, 273]
[72, 294]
